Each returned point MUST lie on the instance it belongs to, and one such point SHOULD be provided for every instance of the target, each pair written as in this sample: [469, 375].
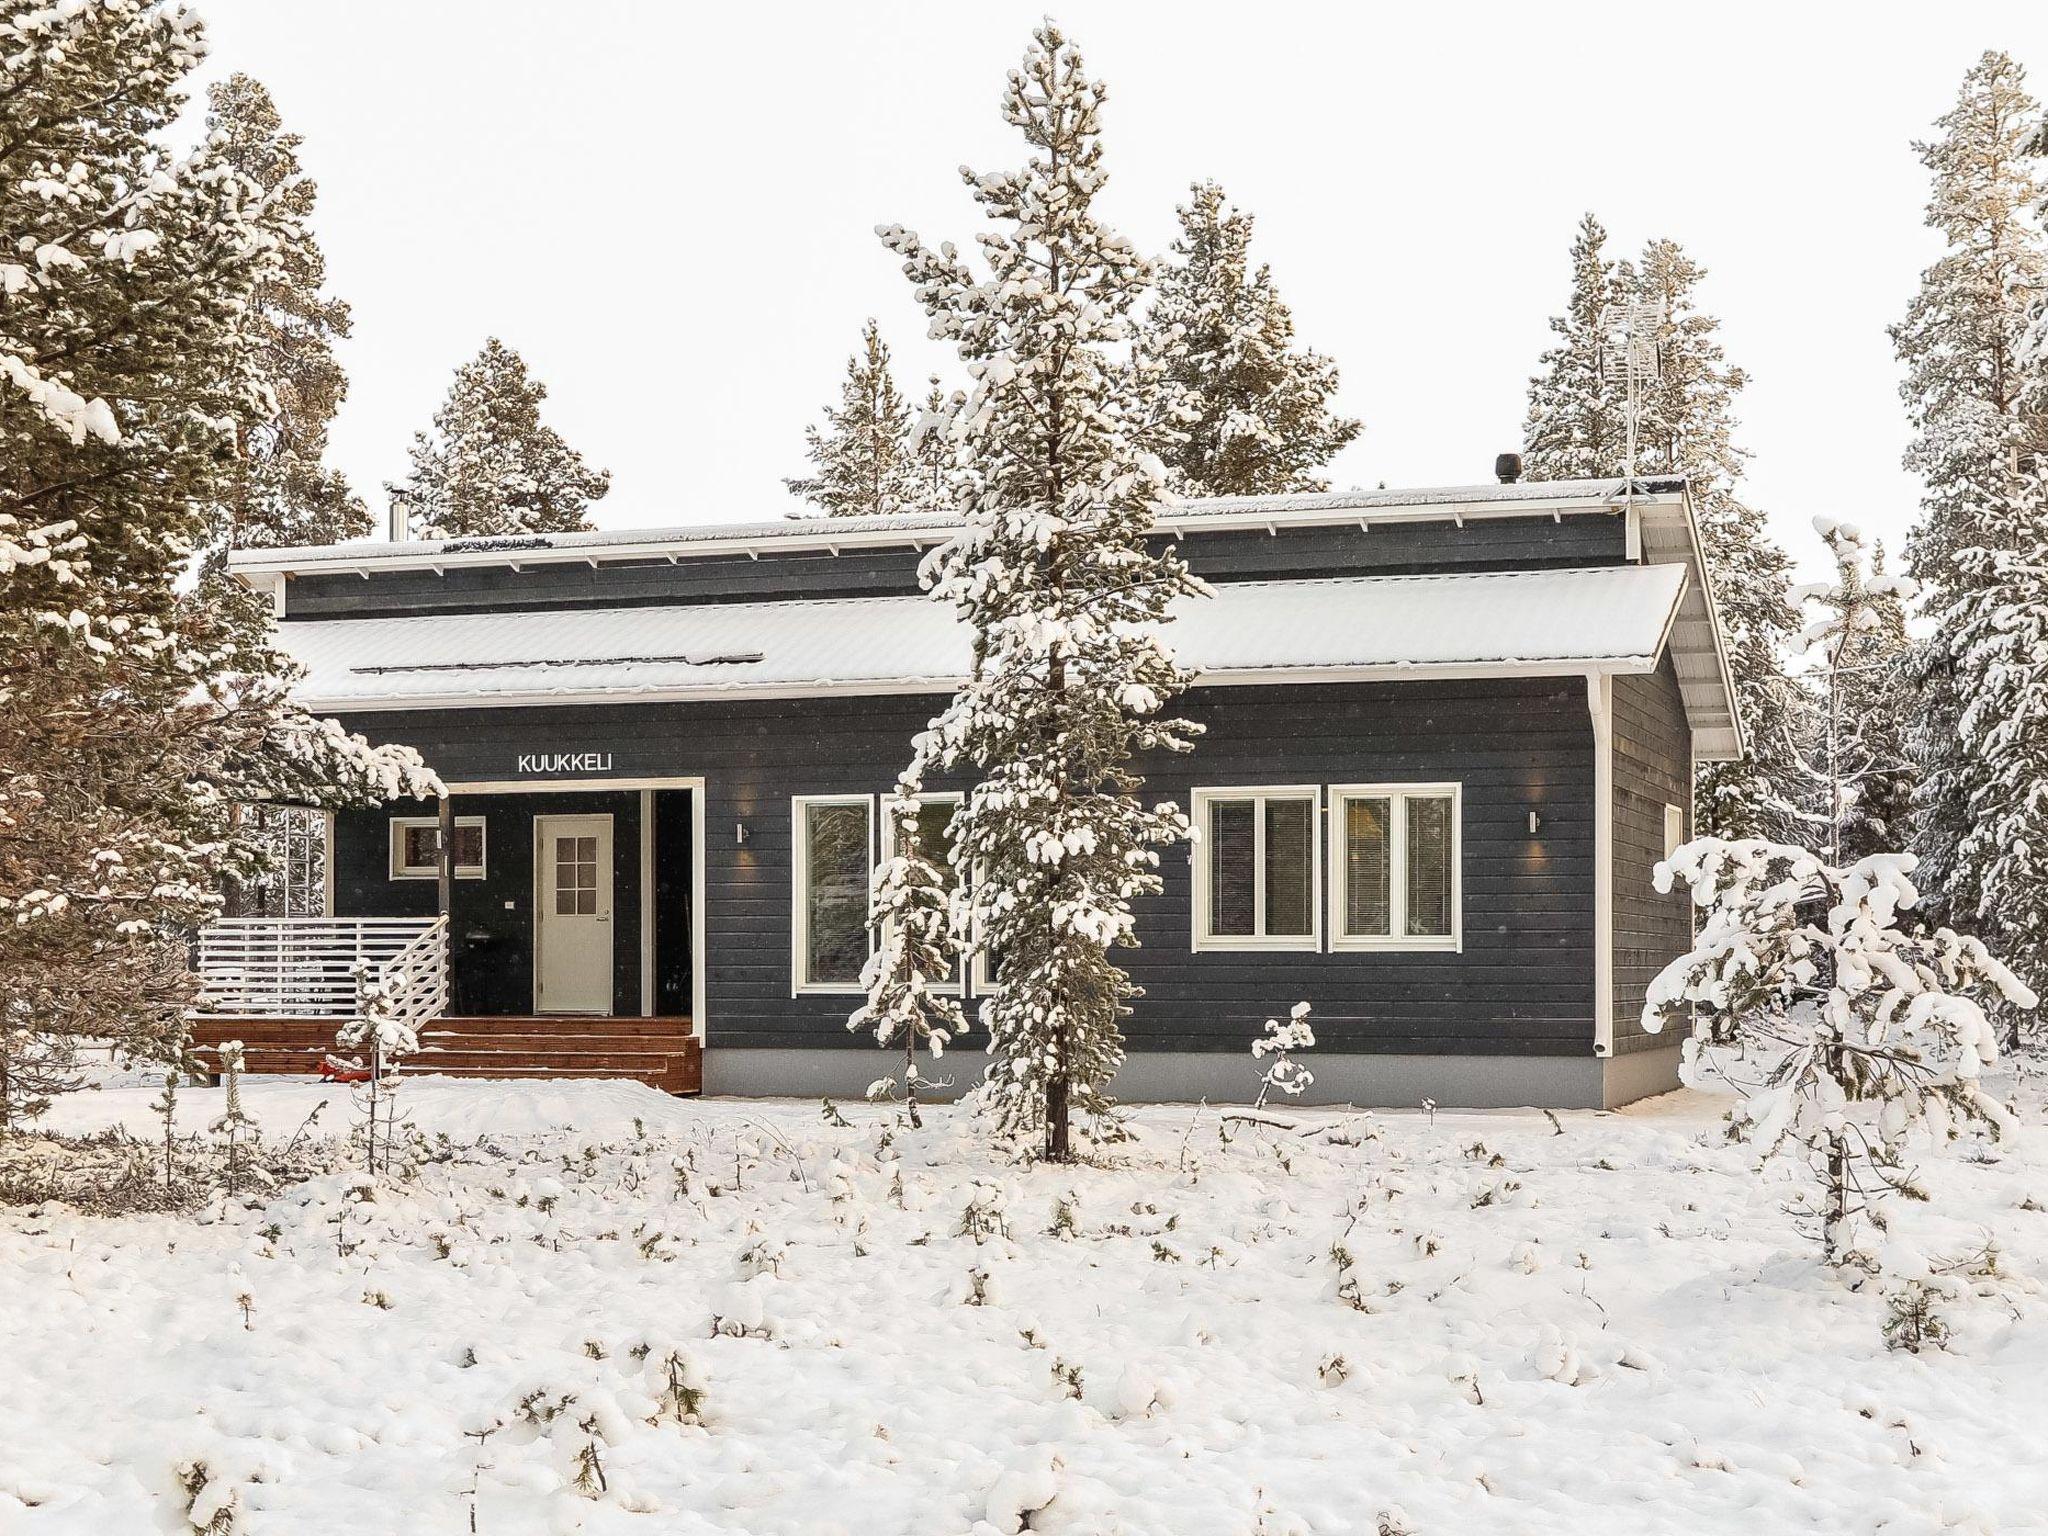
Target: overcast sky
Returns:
[669, 209]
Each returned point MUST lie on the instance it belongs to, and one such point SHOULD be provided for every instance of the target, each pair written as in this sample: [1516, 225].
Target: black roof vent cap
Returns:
[1508, 466]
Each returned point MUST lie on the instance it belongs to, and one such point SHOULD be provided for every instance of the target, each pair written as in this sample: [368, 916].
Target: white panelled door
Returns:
[572, 953]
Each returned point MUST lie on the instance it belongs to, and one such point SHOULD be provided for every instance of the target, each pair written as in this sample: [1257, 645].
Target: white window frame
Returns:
[1674, 829]
[1396, 939]
[800, 984]
[926, 798]
[1202, 940]
[400, 870]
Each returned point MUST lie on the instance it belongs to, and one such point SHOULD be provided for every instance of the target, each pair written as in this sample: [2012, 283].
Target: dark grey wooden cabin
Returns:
[1448, 733]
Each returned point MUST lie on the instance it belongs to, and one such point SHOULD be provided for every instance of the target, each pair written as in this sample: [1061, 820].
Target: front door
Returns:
[572, 952]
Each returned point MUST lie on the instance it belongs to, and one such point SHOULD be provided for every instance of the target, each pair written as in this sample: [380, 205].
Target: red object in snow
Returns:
[334, 1070]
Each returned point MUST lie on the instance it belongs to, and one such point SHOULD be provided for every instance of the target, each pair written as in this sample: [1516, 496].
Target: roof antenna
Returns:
[1634, 363]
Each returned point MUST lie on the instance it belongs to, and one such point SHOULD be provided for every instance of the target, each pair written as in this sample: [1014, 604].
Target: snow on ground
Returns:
[1612, 1326]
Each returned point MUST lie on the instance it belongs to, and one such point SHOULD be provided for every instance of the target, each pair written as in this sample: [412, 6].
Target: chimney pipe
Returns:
[1508, 466]
[394, 523]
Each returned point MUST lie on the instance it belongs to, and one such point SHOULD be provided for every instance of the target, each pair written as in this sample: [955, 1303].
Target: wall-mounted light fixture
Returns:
[741, 829]
[1535, 823]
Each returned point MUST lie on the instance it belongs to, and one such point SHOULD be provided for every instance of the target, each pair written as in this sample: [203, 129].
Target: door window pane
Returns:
[1367, 854]
[836, 898]
[1232, 894]
[1290, 868]
[1429, 866]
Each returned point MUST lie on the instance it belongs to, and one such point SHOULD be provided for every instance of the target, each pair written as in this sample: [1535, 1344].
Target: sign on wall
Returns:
[565, 762]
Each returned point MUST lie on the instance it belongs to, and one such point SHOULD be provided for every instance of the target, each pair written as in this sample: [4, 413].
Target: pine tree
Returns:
[283, 494]
[1262, 422]
[1577, 426]
[1979, 411]
[492, 468]
[1687, 427]
[916, 950]
[133, 714]
[1820, 970]
[864, 464]
[1053, 574]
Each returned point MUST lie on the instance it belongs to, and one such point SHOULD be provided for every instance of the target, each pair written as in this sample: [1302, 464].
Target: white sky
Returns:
[669, 209]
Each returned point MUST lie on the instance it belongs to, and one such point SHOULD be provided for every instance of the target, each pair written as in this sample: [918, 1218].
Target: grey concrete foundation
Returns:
[1452, 1081]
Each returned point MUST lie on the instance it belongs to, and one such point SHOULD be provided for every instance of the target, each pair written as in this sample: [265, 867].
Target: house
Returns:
[1448, 733]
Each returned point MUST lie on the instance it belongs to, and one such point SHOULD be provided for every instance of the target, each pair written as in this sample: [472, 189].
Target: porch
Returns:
[528, 930]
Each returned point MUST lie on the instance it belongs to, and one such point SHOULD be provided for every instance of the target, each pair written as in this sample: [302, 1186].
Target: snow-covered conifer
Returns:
[933, 457]
[1281, 1041]
[1262, 421]
[1577, 426]
[1975, 394]
[916, 950]
[283, 494]
[2000, 640]
[1868, 716]
[861, 458]
[1861, 1027]
[492, 467]
[134, 714]
[1065, 598]
[1687, 427]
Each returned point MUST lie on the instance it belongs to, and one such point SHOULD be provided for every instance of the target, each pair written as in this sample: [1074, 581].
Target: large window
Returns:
[413, 848]
[935, 842]
[1394, 852]
[833, 840]
[1257, 868]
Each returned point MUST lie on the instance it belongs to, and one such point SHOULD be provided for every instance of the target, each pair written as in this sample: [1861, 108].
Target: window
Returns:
[575, 876]
[1674, 829]
[413, 840]
[834, 839]
[1257, 868]
[1395, 849]
[935, 842]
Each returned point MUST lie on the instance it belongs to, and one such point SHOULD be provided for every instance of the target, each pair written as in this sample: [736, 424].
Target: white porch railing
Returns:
[306, 967]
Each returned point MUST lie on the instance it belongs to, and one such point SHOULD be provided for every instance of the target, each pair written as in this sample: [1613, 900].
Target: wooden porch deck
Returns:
[660, 1052]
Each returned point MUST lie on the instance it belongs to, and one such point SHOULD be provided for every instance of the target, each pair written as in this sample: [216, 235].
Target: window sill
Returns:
[428, 874]
[829, 989]
[1393, 946]
[1307, 944]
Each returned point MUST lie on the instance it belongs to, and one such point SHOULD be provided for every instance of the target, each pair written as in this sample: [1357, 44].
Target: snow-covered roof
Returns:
[1428, 504]
[1611, 618]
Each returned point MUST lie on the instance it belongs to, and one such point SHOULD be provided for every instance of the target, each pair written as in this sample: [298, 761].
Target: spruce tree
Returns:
[1261, 422]
[492, 468]
[1687, 427]
[1577, 426]
[1065, 599]
[933, 452]
[1875, 680]
[1974, 392]
[862, 456]
[283, 493]
[134, 713]
[2000, 638]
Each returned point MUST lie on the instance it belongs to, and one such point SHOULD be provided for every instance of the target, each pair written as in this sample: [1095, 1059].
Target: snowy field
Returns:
[1606, 1326]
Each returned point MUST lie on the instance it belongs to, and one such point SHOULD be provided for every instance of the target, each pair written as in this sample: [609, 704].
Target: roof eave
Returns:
[260, 566]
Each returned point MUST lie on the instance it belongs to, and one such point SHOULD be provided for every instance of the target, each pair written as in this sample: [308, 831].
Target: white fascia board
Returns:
[1233, 678]
[250, 565]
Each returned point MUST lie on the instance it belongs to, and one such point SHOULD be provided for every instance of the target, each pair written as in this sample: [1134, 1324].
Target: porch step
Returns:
[662, 1053]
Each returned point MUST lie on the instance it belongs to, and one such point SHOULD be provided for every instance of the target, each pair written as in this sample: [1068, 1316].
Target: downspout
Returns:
[1600, 704]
